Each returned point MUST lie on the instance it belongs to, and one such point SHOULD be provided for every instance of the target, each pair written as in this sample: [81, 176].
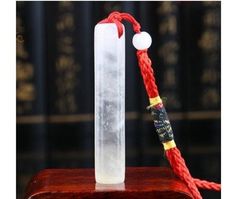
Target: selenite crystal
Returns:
[109, 104]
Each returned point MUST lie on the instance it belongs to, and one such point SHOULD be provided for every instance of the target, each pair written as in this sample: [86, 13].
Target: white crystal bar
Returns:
[109, 104]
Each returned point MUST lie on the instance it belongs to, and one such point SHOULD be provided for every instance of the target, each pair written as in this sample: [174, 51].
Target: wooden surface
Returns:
[141, 182]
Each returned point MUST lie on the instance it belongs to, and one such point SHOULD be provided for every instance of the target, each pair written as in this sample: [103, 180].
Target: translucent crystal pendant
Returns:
[109, 104]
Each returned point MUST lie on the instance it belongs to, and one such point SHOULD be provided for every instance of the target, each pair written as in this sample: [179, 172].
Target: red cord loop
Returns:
[114, 16]
[117, 17]
[173, 155]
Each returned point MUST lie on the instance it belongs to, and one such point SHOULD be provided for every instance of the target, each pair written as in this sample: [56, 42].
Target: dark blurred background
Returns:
[55, 85]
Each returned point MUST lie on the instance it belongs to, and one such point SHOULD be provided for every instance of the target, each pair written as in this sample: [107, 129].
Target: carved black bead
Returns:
[162, 123]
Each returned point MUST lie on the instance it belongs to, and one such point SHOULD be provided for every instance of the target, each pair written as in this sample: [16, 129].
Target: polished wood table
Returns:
[140, 182]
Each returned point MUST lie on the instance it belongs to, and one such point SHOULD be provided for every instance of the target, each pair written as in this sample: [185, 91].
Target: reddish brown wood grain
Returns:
[141, 182]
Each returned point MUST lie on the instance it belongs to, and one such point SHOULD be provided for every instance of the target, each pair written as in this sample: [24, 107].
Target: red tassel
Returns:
[173, 155]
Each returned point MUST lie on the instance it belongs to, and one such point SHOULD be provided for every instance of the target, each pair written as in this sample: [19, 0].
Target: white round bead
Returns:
[142, 40]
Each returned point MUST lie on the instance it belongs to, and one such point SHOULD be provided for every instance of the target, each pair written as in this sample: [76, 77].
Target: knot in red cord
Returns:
[114, 16]
[117, 17]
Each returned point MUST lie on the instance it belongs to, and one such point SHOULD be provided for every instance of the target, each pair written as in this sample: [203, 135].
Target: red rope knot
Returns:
[117, 17]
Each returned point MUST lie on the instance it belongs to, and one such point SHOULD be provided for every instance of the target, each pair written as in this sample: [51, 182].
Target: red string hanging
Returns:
[172, 152]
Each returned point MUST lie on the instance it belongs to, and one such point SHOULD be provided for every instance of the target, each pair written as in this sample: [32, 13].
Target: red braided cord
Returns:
[147, 73]
[180, 169]
[175, 158]
[203, 184]
[173, 155]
